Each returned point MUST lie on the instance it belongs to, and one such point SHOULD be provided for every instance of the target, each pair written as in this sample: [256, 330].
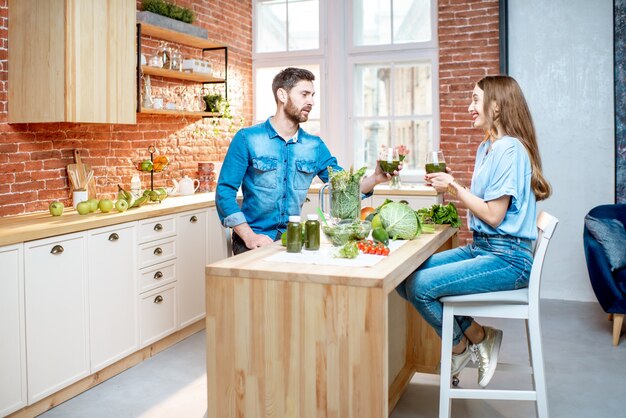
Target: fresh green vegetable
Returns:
[399, 220]
[440, 214]
[345, 194]
[340, 233]
[349, 250]
[380, 235]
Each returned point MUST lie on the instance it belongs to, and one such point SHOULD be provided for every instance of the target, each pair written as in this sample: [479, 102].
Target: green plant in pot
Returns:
[216, 103]
[163, 8]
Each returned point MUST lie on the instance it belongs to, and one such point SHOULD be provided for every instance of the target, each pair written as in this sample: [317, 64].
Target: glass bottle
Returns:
[312, 227]
[294, 235]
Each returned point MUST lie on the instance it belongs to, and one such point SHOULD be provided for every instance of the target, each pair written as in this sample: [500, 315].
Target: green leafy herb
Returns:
[349, 250]
[345, 194]
[440, 214]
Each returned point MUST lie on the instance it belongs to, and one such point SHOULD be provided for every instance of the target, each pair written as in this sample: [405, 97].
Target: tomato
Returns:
[379, 251]
[385, 251]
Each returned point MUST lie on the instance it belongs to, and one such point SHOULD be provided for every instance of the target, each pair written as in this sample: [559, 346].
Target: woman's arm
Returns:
[491, 212]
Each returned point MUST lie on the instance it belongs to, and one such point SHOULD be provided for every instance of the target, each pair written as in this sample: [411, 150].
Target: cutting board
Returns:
[80, 171]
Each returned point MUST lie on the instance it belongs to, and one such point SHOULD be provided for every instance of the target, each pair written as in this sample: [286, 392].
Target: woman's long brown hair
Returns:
[513, 118]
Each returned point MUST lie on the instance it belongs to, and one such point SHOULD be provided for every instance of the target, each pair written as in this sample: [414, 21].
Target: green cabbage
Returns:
[399, 220]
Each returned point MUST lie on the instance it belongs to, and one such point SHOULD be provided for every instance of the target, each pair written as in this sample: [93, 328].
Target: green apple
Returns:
[121, 205]
[83, 207]
[56, 208]
[105, 205]
[93, 204]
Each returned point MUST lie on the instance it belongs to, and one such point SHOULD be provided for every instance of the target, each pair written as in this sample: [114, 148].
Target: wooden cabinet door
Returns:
[72, 61]
[113, 331]
[192, 258]
[55, 285]
[13, 345]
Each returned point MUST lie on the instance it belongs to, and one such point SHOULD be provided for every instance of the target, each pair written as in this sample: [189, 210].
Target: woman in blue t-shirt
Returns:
[506, 184]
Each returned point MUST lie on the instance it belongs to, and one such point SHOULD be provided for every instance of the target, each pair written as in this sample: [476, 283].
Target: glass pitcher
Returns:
[344, 202]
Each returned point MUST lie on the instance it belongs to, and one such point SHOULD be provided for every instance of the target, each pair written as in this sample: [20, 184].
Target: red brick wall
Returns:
[33, 157]
[468, 50]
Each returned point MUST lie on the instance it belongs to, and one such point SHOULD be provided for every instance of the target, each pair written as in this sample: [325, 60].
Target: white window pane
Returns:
[372, 22]
[411, 21]
[412, 89]
[369, 135]
[265, 105]
[416, 135]
[271, 34]
[303, 24]
[372, 90]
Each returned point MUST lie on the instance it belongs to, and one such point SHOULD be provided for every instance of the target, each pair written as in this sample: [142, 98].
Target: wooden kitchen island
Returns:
[295, 340]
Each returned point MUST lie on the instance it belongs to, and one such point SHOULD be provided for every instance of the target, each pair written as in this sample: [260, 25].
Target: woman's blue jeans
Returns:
[491, 263]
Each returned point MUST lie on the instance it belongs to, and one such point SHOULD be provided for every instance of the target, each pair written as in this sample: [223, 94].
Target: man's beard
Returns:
[294, 114]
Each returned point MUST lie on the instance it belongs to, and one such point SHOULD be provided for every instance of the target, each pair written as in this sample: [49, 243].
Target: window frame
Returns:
[429, 55]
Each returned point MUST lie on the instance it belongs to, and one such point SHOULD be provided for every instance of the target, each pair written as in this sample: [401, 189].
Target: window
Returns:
[393, 107]
[286, 25]
[388, 22]
[376, 68]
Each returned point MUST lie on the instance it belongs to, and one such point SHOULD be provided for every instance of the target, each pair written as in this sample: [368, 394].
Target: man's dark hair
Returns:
[288, 78]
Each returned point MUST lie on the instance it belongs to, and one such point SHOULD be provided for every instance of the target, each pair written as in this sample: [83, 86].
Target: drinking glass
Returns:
[389, 160]
[435, 162]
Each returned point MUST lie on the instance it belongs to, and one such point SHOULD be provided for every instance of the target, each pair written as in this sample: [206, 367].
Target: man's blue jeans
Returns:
[491, 263]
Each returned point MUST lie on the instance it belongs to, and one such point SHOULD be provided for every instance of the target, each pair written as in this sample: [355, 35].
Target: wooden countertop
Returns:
[387, 274]
[22, 228]
[28, 227]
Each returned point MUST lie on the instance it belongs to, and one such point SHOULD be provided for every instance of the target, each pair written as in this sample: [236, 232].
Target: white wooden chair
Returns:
[517, 304]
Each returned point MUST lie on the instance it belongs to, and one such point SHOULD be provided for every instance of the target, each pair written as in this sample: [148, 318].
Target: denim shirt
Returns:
[274, 175]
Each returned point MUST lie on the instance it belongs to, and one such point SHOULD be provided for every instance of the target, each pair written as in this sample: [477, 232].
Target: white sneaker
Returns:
[459, 361]
[487, 353]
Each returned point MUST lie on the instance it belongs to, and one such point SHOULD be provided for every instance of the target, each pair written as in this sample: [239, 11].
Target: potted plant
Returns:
[216, 103]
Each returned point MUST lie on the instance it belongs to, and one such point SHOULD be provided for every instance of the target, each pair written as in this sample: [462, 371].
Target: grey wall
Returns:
[561, 53]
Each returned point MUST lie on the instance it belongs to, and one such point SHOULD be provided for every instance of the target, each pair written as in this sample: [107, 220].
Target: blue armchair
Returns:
[609, 285]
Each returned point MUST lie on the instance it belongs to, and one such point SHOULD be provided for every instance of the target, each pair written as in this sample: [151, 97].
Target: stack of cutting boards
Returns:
[80, 176]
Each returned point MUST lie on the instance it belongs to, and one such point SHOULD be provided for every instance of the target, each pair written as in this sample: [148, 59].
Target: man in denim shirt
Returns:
[274, 163]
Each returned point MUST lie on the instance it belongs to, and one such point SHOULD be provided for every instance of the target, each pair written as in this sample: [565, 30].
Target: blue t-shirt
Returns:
[274, 176]
[505, 170]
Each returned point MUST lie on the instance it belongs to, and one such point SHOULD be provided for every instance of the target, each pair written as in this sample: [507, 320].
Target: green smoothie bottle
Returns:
[294, 235]
[312, 227]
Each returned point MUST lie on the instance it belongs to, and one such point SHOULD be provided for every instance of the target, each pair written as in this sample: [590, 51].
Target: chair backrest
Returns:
[229, 241]
[546, 224]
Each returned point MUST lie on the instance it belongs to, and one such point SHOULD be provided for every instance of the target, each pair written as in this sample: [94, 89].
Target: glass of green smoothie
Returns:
[435, 162]
[389, 160]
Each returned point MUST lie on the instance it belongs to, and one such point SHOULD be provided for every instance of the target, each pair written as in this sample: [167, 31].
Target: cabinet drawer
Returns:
[156, 228]
[157, 252]
[157, 275]
[157, 314]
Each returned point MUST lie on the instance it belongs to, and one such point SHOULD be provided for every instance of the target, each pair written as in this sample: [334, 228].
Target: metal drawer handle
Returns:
[114, 237]
[158, 275]
[158, 299]
[193, 219]
[57, 249]
[158, 227]
[158, 251]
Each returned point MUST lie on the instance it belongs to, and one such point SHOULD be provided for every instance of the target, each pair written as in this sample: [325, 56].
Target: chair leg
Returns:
[536, 356]
[618, 320]
[446, 363]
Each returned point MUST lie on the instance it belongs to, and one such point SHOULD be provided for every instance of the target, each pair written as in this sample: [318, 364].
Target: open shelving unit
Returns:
[184, 39]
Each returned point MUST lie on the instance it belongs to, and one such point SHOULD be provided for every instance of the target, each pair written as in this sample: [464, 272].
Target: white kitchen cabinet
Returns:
[157, 314]
[217, 249]
[113, 332]
[192, 258]
[57, 318]
[13, 345]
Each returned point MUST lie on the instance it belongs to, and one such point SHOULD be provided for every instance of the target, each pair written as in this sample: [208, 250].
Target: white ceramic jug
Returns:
[186, 186]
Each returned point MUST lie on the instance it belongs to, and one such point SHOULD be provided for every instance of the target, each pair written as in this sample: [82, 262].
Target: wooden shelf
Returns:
[180, 113]
[181, 38]
[181, 75]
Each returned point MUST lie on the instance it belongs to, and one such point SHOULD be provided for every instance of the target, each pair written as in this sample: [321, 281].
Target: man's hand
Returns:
[250, 238]
[379, 176]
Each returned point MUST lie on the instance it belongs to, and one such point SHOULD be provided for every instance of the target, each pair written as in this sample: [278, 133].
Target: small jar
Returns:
[294, 235]
[312, 227]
